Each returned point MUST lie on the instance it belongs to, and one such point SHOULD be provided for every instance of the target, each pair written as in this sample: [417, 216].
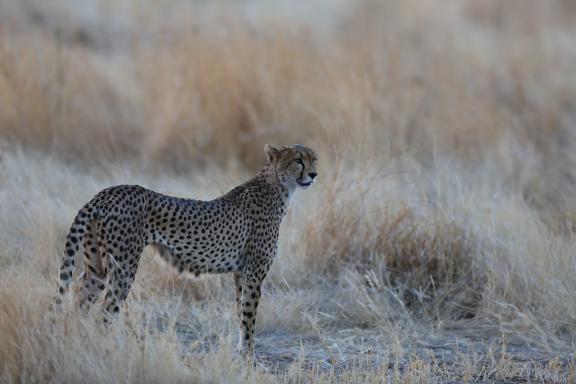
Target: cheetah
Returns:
[237, 232]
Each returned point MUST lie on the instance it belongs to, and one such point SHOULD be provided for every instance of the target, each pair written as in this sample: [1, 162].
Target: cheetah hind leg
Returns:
[94, 276]
[121, 275]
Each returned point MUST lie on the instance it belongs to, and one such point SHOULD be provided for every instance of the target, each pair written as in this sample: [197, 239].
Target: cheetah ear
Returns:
[272, 153]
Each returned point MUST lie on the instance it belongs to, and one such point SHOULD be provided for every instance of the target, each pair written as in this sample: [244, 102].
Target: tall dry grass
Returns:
[445, 200]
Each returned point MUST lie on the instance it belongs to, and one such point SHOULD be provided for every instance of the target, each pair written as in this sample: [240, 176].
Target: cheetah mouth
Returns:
[305, 183]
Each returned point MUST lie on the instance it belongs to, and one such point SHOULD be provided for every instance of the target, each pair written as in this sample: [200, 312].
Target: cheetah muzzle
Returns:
[237, 232]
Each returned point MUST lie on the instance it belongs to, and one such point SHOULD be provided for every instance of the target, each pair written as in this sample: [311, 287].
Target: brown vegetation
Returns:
[445, 202]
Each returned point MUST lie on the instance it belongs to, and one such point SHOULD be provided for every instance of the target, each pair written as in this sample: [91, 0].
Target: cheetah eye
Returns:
[299, 161]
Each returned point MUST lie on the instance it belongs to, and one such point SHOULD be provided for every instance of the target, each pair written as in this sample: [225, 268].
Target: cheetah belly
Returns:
[201, 243]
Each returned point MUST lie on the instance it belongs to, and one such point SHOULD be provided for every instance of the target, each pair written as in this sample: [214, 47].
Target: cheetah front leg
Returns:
[250, 295]
[238, 284]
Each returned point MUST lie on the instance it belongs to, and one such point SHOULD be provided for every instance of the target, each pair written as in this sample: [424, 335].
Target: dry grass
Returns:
[445, 206]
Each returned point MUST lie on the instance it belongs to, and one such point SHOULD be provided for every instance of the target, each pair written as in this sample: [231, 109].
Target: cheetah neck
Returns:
[284, 192]
[270, 177]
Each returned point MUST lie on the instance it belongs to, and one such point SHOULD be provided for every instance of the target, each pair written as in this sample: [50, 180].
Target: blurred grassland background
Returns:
[446, 201]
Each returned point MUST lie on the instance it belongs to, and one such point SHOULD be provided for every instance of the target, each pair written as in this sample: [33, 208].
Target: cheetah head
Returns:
[295, 165]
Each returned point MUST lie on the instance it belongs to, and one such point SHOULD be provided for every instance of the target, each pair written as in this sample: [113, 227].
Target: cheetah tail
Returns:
[75, 237]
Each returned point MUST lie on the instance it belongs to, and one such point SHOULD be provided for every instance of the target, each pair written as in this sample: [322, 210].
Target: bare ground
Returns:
[460, 355]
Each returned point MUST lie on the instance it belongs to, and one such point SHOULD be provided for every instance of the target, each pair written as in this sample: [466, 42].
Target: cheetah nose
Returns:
[312, 175]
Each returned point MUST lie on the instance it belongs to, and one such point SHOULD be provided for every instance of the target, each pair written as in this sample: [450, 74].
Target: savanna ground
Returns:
[439, 243]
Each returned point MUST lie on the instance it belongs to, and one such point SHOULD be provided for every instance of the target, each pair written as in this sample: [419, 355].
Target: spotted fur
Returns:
[237, 232]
